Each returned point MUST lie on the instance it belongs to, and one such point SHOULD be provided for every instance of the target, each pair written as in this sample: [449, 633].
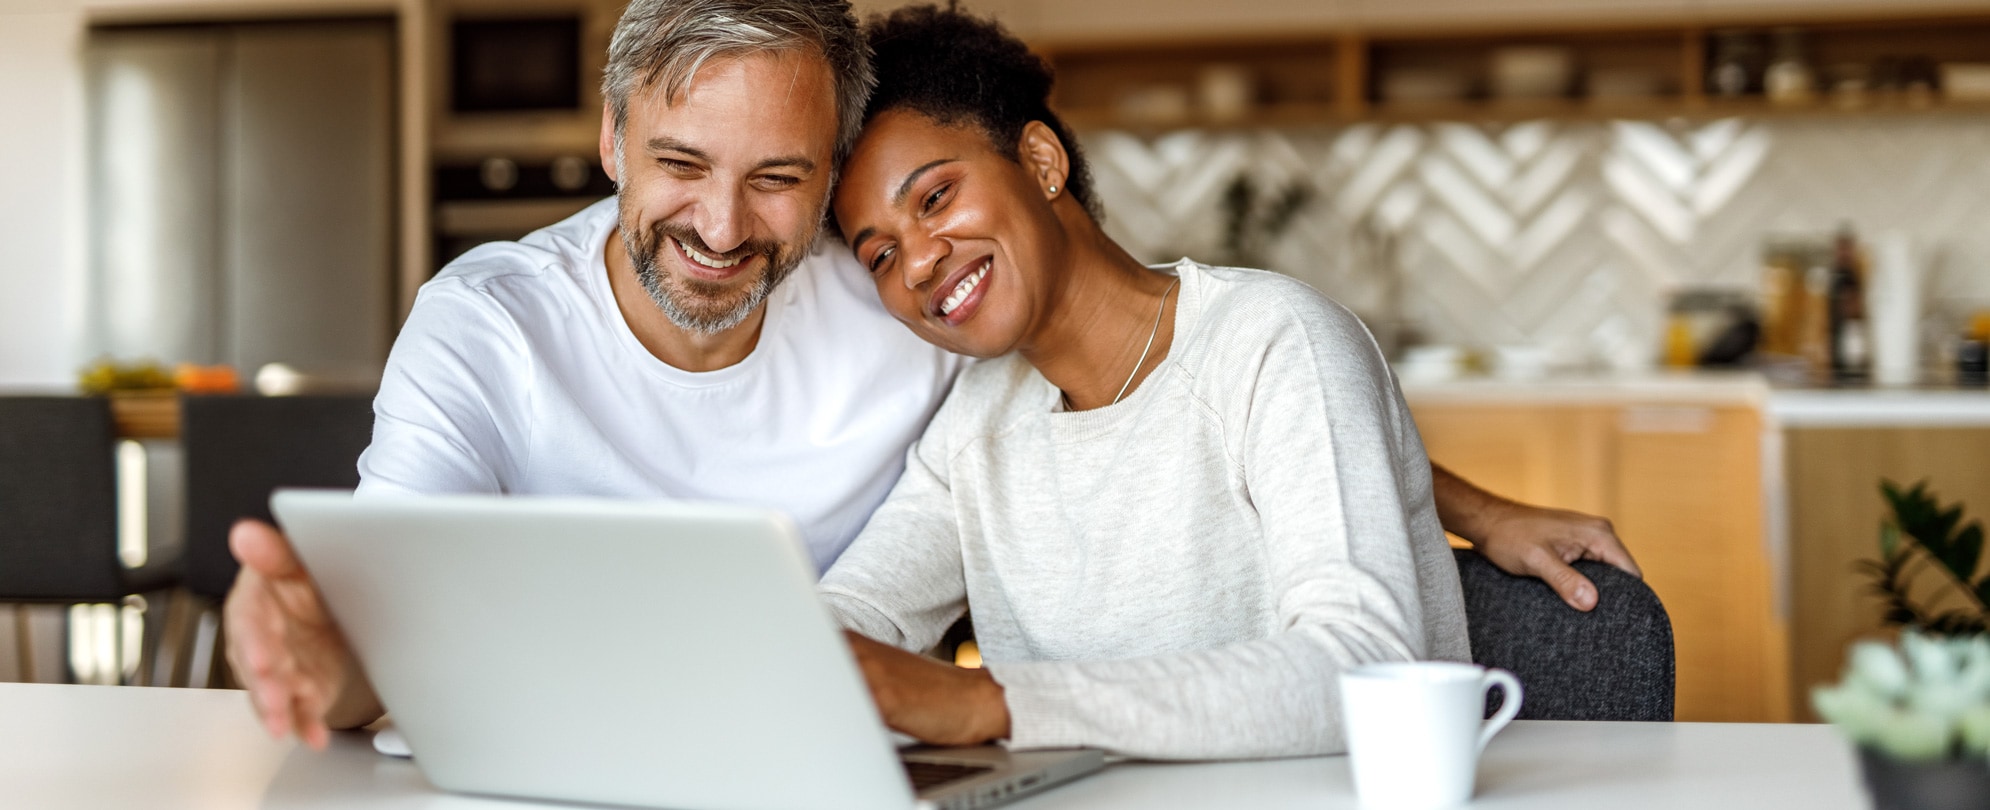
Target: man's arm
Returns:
[446, 405]
[1529, 540]
[301, 676]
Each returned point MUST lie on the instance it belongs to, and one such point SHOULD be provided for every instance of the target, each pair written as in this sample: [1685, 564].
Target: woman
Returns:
[1180, 499]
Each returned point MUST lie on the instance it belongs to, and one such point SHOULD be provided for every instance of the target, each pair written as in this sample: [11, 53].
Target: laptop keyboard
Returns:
[926, 775]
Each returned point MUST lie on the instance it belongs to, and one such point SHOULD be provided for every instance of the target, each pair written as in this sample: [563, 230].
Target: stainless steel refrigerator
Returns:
[242, 182]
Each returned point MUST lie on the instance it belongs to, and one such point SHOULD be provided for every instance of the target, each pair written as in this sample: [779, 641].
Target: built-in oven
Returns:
[517, 116]
[500, 198]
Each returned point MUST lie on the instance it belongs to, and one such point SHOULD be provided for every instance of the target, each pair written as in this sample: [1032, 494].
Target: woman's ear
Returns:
[1043, 154]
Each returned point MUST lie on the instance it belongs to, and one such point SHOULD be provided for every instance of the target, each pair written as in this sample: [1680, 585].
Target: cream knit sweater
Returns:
[1184, 573]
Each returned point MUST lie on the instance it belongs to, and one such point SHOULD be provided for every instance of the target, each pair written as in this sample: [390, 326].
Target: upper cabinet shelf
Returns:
[1622, 58]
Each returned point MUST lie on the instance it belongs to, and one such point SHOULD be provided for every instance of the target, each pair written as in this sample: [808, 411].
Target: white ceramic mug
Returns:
[1415, 730]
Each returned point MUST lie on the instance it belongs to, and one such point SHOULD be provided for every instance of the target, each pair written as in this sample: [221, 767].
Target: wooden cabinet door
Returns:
[1683, 486]
[1548, 456]
[1688, 503]
[1835, 514]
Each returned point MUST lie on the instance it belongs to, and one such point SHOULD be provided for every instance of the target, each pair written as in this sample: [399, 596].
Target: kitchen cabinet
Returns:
[1682, 482]
[1382, 14]
[1758, 11]
[1835, 509]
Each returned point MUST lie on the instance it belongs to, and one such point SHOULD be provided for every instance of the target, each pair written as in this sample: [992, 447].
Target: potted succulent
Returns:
[1920, 717]
[1919, 713]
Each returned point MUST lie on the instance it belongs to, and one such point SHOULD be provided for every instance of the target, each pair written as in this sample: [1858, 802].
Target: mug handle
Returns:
[1508, 707]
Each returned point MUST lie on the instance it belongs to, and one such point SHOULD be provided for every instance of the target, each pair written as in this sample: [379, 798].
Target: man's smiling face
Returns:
[722, 189]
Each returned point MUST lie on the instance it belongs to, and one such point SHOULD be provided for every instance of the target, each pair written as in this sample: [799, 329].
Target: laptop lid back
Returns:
[654, 654]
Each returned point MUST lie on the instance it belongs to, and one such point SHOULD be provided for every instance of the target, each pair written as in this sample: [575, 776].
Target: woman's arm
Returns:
[1530, 541]
[900, 582]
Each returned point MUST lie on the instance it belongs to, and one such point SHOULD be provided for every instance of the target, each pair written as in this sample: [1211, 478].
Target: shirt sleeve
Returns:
[449, 417]
[1342, 498]
[901, 581]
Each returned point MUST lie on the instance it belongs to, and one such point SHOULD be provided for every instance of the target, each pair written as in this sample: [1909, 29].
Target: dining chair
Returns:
[237, 449]
[59, 520]
[1611, 663]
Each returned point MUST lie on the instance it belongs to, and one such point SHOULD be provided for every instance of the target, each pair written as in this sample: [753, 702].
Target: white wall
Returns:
[42, 257]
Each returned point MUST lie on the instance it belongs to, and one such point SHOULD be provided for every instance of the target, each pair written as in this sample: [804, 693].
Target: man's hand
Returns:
[1530, 541]
[283, 646]
[931, 700]
[1533, 541]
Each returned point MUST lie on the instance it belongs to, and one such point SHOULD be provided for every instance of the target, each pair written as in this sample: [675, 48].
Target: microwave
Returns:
[517, 65]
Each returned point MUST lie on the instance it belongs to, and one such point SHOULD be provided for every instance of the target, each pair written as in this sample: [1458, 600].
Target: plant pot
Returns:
[1950, 784]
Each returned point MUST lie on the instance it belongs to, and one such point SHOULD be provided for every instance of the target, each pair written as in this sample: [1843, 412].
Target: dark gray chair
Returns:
[1611, 663]
[58, 513]
[238, 449]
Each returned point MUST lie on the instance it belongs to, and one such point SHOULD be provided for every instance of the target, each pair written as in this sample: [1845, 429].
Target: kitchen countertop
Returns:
[1786, 407]
[1600, 388]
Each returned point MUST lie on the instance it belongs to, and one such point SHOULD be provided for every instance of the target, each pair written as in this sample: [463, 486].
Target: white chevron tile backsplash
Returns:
[1565, 235]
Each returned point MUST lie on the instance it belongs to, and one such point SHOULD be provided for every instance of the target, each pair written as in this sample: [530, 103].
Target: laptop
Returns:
[615, 652]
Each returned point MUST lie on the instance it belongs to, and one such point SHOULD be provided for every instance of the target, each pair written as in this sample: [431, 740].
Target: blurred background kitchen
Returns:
[1712, 268]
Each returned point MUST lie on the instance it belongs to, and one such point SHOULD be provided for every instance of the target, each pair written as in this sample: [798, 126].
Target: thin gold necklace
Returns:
[1151, 333]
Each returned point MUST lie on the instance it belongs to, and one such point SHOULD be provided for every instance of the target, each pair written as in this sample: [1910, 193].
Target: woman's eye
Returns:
[933, 198]
[878, 259]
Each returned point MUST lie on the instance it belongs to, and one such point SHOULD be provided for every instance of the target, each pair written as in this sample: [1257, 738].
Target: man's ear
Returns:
[1043, 155]
[608, 143]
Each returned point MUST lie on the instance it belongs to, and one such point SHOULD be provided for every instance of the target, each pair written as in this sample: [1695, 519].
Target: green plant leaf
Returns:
[1945, 522]
[1920, 521]
[1968, 549]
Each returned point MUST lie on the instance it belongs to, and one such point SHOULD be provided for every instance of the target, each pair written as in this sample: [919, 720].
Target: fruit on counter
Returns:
[107, 375]
[207, 379]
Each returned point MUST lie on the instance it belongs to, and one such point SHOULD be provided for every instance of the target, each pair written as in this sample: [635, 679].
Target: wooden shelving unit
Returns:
[1330, 77]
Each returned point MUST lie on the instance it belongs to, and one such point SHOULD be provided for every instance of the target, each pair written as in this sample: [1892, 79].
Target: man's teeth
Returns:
[966, 286]
[715, 264]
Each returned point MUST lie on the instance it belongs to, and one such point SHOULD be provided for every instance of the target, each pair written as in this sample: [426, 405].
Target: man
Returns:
[687, 339]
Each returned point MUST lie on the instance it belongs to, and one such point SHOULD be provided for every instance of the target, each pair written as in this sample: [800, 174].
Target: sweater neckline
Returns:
[1080, 424]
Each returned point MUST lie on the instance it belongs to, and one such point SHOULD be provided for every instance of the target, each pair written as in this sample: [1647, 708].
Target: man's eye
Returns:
[676, 166]
[878, 259]
[779, 181]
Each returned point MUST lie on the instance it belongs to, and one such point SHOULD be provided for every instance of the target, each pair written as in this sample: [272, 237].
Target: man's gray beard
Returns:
[672, 295]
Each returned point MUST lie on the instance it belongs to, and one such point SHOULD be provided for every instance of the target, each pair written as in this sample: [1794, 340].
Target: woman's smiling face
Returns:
[960, 239]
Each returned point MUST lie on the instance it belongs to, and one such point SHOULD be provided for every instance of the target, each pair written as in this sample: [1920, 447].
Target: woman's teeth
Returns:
[715, 264]
[966, 286]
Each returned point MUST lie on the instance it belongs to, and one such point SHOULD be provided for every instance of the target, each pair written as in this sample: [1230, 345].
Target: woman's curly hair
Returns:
[956, 68]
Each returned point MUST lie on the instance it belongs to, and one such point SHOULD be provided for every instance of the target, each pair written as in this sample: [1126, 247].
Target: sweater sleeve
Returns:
[450, 400]
[901, 581]
[1316, 426]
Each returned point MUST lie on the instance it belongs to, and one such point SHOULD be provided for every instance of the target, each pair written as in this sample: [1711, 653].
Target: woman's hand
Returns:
[932, 701]
[1539, 542]
[1530, 541]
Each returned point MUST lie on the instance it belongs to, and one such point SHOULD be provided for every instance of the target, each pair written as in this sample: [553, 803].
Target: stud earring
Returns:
[1053, 188]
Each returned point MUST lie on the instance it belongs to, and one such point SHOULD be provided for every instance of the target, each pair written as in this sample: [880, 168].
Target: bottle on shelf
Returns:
[1851, 345]
[1736, 67]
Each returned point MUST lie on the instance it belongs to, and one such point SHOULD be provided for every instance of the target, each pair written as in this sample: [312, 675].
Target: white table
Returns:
[107, 746]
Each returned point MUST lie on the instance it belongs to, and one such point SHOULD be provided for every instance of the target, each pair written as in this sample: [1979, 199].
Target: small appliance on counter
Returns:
[1711, 327]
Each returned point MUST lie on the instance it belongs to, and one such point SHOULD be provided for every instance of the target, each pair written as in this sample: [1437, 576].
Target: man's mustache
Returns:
[689, 238]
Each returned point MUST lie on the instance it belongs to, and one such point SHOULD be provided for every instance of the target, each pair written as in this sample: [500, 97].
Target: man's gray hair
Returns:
[661, 44]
